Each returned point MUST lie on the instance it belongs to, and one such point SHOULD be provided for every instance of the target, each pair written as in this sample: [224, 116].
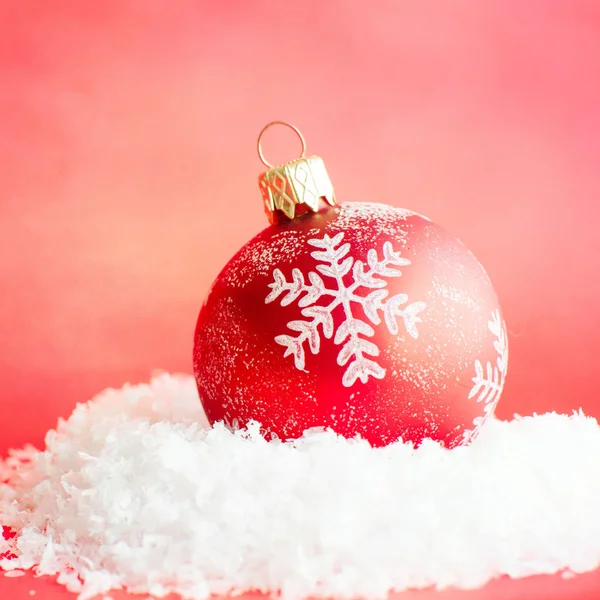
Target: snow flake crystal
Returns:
[356, 347]
[136, 491]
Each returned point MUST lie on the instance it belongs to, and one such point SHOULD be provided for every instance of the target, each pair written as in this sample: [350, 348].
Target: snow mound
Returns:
[135, 491]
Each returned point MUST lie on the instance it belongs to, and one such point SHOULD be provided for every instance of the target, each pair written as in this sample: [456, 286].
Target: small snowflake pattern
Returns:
[489, 381]
[357, 352]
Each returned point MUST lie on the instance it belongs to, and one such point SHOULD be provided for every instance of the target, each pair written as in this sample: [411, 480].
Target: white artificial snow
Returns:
[135, 491]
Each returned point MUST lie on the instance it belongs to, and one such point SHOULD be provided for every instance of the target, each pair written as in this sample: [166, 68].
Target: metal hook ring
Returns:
[259, 146]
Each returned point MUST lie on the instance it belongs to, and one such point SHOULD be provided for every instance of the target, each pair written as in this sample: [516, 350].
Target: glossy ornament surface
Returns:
[361, 317]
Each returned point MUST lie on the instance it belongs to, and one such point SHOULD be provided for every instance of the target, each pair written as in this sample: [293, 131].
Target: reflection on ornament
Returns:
[360, 317]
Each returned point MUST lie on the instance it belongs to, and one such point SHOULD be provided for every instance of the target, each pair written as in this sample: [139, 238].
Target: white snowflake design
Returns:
[352, 332]
[487, 386]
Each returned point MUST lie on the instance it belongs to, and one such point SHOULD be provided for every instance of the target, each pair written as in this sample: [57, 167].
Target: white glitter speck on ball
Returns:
[136, 491]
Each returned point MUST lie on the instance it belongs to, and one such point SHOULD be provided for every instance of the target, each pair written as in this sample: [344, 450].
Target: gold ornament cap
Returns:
[296, 187]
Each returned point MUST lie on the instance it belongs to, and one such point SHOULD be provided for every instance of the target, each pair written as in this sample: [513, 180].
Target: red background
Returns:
[128, 172]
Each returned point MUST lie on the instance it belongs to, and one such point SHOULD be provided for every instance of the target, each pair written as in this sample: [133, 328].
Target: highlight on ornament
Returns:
[349, 356]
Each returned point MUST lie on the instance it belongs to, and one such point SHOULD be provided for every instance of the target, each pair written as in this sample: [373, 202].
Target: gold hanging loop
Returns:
[259, 145]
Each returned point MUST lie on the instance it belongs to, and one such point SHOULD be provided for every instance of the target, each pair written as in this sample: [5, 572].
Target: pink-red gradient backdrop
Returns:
[128, 171]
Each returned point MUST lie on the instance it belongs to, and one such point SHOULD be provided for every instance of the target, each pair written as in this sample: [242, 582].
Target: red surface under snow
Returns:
[583, 587]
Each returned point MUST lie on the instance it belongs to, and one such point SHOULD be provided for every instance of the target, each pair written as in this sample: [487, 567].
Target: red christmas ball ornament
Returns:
[360, 317]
